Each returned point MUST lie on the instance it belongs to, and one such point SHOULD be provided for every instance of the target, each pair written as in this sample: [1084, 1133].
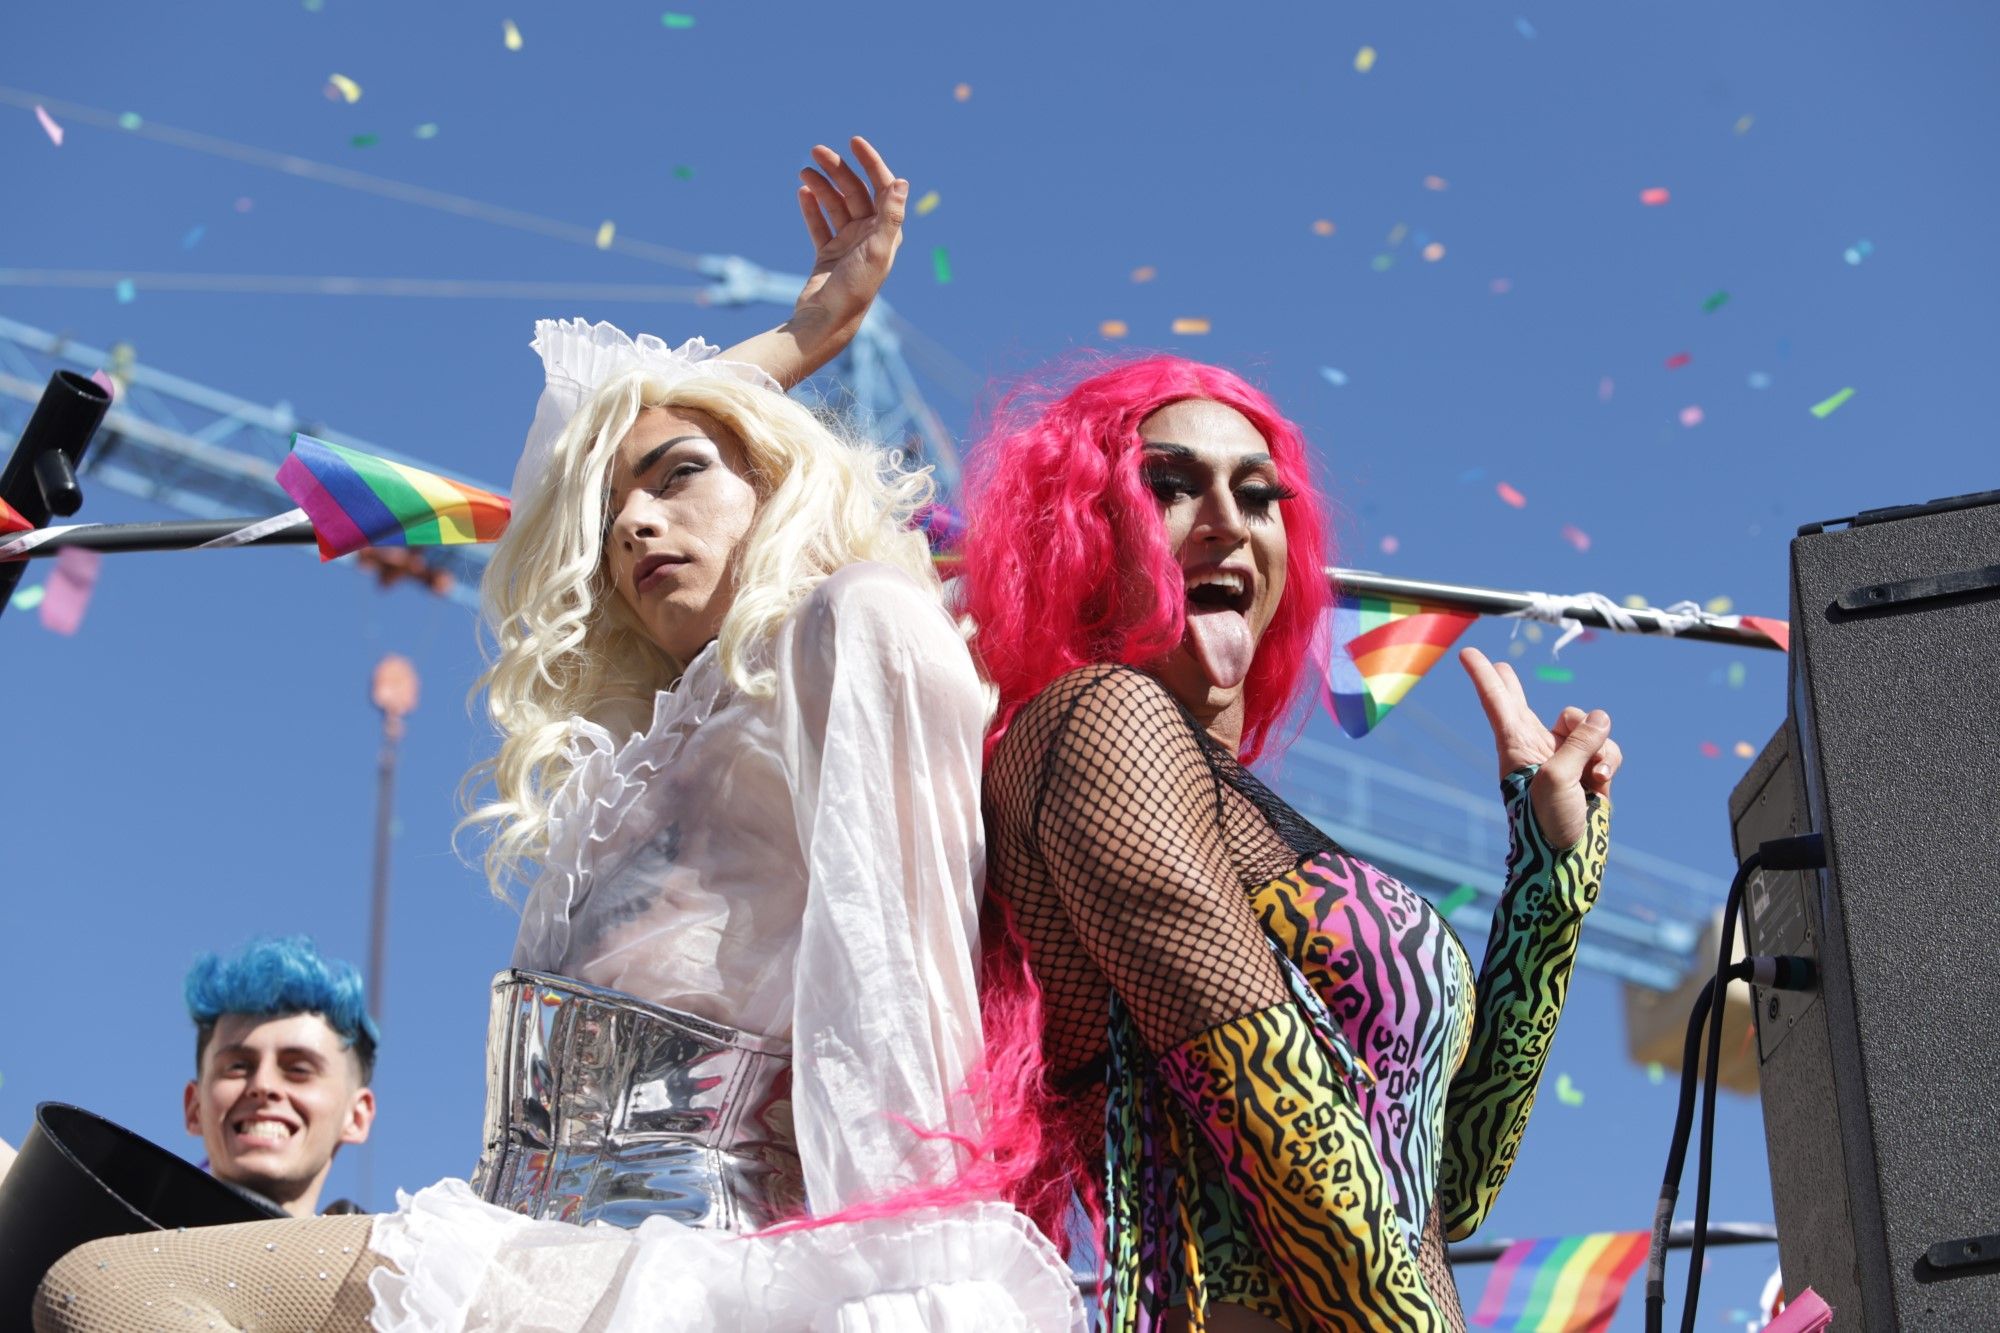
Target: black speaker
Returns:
[1882, 1090]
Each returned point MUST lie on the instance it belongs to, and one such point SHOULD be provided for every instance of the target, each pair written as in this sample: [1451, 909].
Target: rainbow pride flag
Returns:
[1561, 1284]
[1374, 649]
[356, 500]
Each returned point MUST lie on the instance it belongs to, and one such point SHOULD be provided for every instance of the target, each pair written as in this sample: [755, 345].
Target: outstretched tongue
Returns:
[1219, 638]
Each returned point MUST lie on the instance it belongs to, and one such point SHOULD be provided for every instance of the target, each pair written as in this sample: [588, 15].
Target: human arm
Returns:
[856, 225]
[1556, 785]
[884, 718]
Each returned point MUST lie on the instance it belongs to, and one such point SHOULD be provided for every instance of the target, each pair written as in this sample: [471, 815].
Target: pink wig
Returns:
[1065, 560]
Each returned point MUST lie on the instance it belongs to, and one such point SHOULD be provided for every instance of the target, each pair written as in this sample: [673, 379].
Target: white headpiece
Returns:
[582, 358]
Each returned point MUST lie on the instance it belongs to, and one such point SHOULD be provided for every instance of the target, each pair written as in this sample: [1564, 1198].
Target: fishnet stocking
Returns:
[298, 1273]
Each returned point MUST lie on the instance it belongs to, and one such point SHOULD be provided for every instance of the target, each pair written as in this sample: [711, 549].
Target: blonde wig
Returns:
[564, 644]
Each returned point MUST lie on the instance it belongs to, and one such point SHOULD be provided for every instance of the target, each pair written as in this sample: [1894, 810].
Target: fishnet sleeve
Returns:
[1127, 820]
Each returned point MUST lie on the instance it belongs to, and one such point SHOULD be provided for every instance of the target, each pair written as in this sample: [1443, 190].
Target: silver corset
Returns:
[602, 1107]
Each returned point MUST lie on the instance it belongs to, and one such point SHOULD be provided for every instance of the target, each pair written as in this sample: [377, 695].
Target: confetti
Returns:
[1511, 496]
[1533, 633]
[510, 34]
[1190, 324]
[1145, 273]
[1397, 233]
[1634, 602]
[1856, 252]
[1113, 328]
[607, 231]
[1718, 606]
[1715, 303]
[1322, 227]
[963, 92]
[1831, 405]
[1743, 124]
[1710, 750]
[1654, 197]
[1382, 263]
[1604, 389]
[193, 237]
[49, 126]
[1390, 545]
[1759, 380]
[683, 173]
[929, 202]
[1567, 1092]
[1735, 675]
[129, 120]
[1456, 899]
[1364, 60]
[1500, 286]
[941, 264]
[672, 20]
[1554, 674]
[1691, 416]
[1515, 648]
[69, 589]
[27, 599]
[125, 291]
[1525, 28]
[1436, 183]
[347, 89]
[1745, 750]
[1576, 536]
[427, 130]
[1679, 359]
[1655, 1072]
[1337, 378]
[1434, 252]
[365, 140]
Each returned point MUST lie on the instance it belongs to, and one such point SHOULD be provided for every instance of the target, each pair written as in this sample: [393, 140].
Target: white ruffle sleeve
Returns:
[885, 715]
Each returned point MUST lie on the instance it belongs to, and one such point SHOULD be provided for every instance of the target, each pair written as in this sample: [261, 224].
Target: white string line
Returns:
[303, 285]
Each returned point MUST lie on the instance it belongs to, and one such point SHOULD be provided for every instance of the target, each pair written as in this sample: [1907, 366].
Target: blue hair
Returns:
[273, 978]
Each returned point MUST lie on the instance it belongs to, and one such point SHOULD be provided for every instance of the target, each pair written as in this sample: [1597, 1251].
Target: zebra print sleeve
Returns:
[1522, 984]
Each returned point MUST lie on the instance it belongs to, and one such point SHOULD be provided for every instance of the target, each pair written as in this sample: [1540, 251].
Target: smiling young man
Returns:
[284, 1053]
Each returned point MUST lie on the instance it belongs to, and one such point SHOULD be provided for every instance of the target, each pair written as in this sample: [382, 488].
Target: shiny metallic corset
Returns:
[601, 1107]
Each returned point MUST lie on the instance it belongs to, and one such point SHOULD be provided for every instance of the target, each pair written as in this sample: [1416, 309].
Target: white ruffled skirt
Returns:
[465, 1266]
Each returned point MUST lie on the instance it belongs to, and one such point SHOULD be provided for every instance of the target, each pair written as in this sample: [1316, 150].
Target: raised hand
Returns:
[1578, 758]
[855, 225]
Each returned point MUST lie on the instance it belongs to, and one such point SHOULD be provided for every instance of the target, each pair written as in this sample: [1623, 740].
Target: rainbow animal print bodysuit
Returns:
[1302, 1133]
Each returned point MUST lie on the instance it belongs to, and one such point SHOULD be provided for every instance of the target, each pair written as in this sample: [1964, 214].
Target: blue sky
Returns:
[196, 766]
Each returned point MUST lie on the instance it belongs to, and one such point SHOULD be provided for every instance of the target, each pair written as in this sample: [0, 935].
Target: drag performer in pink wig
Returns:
[1269, 1069]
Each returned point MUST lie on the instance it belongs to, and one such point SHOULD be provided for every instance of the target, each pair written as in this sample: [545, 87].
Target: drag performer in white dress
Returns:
[728, 1072]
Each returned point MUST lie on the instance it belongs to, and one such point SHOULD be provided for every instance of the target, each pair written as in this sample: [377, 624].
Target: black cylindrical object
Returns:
[40, 478]
[80, 1178]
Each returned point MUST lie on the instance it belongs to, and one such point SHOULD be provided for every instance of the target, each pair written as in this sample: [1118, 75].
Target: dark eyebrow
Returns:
[1180, 453]
[659, 451]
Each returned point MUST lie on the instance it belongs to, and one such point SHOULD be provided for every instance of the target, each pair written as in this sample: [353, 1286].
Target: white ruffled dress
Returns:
[804, 866]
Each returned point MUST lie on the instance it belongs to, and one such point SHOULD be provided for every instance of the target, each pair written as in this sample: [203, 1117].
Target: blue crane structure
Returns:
[209, 454]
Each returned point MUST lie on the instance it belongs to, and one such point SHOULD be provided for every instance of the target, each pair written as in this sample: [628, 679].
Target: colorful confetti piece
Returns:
[1434, 252]
[672, 20]
[69, 589]
[1632, 601]
[49, 126]
[1500, 286]
[1745, 750]
[510, 34]
[1828, 407]
[1743, 124]
[1679, 359]
[1735, 675]
[1856, 252]
[1323, 227]
[27, 599]
[1337, 378]
[193, 237]
[1515, 648]
[1555, 675]
[1364, 60]
[1604, 389]
[1718, 606]
[129, 120]
[125, 291]
[1113, 328]
[1525, 28]
[1654, 197]
[1656, 1072]
[963, 92]
[940, 264]
[1759, 380]
[1190, 324]
[1710, 750]
[683, 173]
[928, 203]
[607, 231]
[1456, 899]
[347, 89]
[1397, 233]
[427, 130]
[1390, 545]
[1692, 416]
[1511, 496]
[365, 140]
[1436, 183]
[1567, 1092]
[1576, 536]
[1715, 303]
[1382, 263]
[1145, 273]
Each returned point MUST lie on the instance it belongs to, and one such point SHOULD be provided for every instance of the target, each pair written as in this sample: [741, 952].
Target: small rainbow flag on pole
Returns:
[1561, 1284]
[356, 500]
[1375, 649]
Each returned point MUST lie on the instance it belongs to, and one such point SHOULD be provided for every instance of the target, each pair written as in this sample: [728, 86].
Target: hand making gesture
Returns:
[1578, 758]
